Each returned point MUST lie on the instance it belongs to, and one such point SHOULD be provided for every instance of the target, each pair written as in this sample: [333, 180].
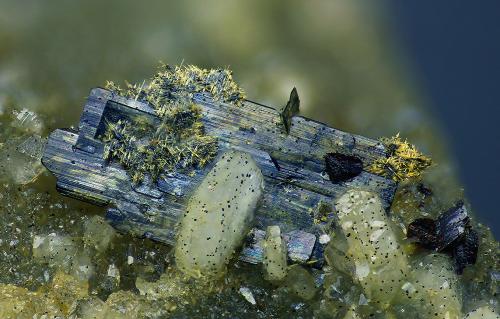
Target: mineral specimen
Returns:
[341, 167]
[379, 263]
[179, 141]
[20, 158]
[431, 288]
[21, 145]
[290, 110]
[465, 252]
[177, 144]
[55, 249]
[143, 159]
[403, 160]
[451, 226]
[247, 294]
[341, 292]
[217, 215]
[98, 234]
[300, 245]
[451, 232]
[148, 153]
[275, 254]
[176, 82]
[27, 121]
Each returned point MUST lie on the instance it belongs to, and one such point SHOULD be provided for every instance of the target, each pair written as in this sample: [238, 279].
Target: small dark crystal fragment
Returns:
[465, 253]
[449, 233]
[451, 225]
[318, 255]
[275, 162]
[341, 168]
[424, 190]
[250, 239]
[424, 230]
[291, 109]
[248, 129]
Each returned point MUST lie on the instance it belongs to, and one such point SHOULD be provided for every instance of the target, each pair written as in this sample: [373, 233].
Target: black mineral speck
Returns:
[341, 167]
[275, 162]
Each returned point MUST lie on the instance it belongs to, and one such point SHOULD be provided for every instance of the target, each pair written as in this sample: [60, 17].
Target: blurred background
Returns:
[427, 70]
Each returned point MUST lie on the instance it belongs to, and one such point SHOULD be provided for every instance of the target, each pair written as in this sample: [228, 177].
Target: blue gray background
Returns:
[454, 47]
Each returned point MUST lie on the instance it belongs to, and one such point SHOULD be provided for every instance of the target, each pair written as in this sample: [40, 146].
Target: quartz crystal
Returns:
[217, 215]
[275, 254]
